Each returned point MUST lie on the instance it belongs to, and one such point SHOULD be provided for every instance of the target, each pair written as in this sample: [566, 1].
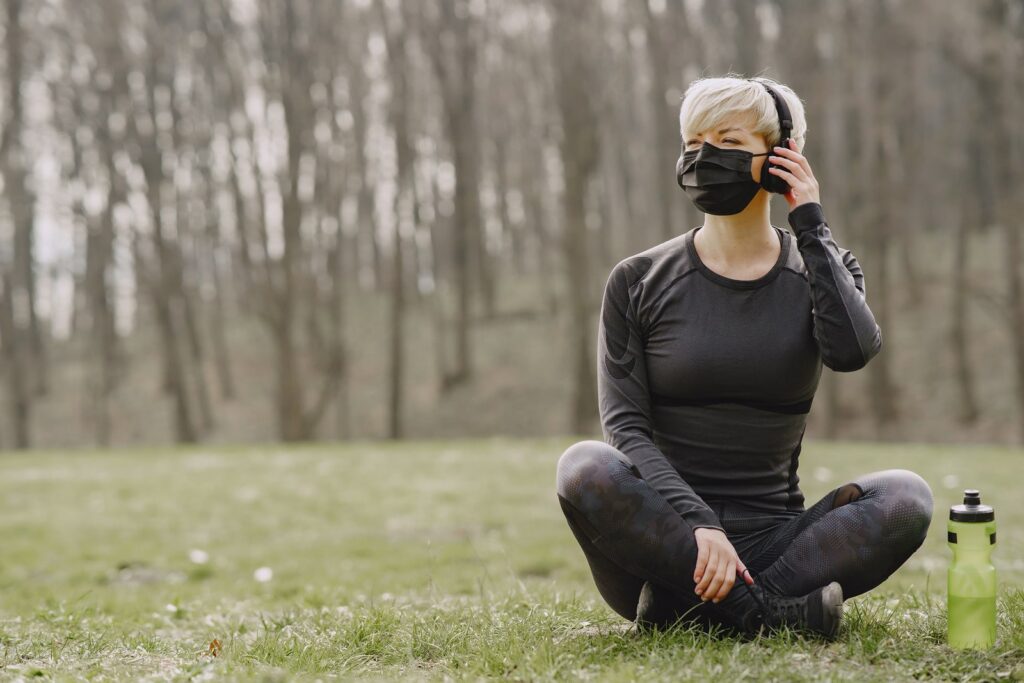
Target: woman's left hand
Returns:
[803, 186]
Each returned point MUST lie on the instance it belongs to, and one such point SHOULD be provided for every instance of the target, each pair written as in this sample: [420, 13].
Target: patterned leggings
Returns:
[858, 534]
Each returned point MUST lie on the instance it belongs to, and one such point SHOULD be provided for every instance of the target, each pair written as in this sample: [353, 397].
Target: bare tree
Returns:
[573, 55]
[394, 25]
[22, 339]
[452, 46]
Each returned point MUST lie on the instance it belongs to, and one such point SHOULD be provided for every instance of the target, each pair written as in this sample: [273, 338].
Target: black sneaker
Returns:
[819, 612]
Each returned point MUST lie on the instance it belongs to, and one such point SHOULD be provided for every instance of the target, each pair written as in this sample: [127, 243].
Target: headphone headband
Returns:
[785, 119]
[771, 182]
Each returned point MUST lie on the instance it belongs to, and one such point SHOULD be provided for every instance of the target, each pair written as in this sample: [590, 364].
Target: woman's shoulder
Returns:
[669, 257]
[646, 273]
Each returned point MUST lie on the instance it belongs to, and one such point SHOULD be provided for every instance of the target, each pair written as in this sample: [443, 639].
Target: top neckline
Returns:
[731, 282]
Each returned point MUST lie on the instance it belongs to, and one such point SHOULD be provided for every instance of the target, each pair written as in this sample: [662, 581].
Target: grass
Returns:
[426, 559]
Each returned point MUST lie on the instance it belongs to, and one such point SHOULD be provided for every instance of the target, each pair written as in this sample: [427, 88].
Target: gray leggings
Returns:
[858, 534]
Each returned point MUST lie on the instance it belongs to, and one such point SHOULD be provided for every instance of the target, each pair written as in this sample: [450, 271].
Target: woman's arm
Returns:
[624, 398]
[844, 326]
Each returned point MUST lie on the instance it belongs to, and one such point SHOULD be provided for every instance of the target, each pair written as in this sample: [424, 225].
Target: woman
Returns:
[710, 348]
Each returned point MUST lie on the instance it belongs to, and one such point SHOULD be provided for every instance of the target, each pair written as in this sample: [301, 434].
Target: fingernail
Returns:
[715, 600]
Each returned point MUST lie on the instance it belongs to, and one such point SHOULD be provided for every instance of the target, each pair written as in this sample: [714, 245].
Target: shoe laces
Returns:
[788, 608]
[753, 593]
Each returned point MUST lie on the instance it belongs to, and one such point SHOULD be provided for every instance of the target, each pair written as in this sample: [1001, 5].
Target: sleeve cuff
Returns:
[703, 518]
[806, 216]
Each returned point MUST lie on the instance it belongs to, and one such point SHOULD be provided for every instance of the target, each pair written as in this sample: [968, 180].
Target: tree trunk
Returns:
[368, 246]
[968, 404]
[15, 354]
[878, 144]
[580, 142]
[1013, 160]
[400, 123]
[453, 51]
[665, 138]
[23, 344]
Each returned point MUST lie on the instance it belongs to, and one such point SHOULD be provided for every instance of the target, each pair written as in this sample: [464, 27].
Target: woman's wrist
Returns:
[806, 216]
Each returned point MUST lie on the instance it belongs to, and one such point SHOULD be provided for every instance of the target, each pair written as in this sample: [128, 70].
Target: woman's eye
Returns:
[693, 143]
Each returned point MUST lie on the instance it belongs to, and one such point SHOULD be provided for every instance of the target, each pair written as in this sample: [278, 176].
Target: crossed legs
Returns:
[858, 534]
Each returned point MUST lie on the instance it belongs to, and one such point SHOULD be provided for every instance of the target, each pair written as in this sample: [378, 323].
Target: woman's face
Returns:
[733, 133]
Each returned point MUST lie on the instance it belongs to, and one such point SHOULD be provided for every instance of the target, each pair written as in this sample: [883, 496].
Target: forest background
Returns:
[238, 221]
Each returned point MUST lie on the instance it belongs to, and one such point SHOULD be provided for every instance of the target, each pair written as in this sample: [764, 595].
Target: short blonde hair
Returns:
[708, 102]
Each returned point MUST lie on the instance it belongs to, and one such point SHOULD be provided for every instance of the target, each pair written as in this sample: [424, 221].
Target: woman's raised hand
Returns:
[717, 564]
[803, 186]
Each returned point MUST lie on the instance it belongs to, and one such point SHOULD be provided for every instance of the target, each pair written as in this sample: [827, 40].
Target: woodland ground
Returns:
[423, 559]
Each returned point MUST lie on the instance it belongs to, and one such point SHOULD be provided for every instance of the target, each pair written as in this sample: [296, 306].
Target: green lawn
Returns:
[428, 559]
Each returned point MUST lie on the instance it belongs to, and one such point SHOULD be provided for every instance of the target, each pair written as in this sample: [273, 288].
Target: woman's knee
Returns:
[918, 495]
[583, 466]
[910, 502]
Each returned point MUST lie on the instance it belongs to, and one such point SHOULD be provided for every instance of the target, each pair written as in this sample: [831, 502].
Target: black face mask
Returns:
[719, 181]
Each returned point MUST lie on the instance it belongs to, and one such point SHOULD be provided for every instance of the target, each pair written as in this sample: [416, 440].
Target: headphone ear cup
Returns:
[770, 181]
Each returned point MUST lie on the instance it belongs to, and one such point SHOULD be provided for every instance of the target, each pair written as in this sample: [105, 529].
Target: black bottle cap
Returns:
[972, 510]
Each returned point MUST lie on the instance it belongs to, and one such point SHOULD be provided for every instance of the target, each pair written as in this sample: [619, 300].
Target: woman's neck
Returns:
[740, 238]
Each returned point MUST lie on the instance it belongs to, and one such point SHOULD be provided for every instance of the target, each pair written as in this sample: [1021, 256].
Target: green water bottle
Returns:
[971, 595]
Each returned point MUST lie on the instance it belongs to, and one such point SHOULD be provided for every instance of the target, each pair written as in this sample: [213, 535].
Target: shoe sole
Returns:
[832, 604]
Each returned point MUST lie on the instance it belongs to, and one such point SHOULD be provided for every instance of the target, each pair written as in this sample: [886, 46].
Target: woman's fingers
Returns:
[795, 161]
[722, 580]
[795, 169]
[709, 572]
[804, 189]
[728, 575]
[800, 157]
[716, 583]
[742, 569]
[790, 178]
[791, 153]
[703, 553]
[794, 166]
[717, 564]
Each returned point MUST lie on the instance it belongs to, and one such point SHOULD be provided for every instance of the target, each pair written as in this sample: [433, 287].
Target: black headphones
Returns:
[771, 182]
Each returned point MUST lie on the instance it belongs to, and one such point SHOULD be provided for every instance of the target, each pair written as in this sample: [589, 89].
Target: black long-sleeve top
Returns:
[705, 382]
